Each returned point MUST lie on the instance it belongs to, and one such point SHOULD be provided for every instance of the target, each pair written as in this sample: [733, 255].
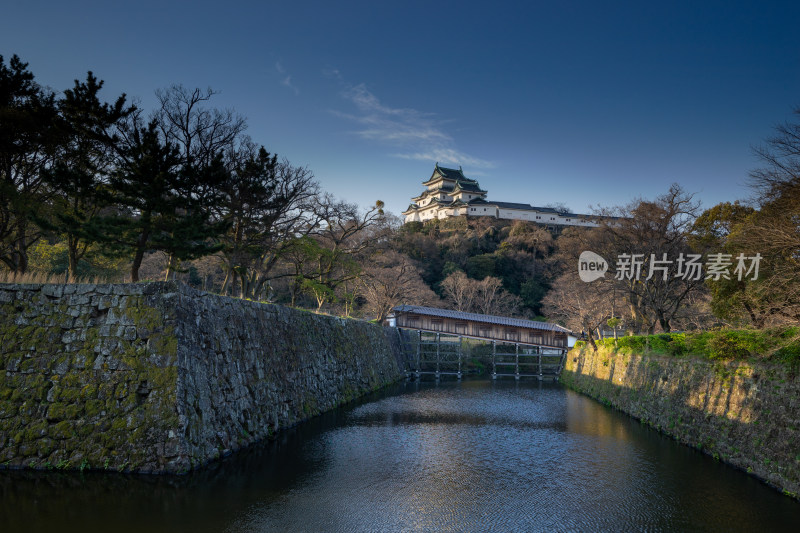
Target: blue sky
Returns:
[584, 103]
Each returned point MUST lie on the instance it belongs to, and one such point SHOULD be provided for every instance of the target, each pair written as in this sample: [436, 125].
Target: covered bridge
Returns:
[489, 327]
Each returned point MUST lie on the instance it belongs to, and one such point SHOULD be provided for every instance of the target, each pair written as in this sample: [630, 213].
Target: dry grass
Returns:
[7, 276]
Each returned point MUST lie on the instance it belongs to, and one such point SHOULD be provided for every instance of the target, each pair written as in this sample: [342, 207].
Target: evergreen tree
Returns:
[28, 142]
[201, 135]
[268, 206]
[84, 163]
[159, 207]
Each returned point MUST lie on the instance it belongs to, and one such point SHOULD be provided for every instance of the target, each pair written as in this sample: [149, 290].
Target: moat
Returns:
[470, 456]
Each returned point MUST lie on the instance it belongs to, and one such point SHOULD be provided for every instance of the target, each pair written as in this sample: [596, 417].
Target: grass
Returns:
[772, 344]
[34, 277]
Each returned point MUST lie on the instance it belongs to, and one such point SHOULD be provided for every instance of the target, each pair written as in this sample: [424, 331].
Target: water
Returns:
[470, 456]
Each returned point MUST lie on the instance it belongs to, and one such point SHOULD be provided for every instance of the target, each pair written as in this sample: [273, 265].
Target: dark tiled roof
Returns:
[511, 205]
[451, 173]
[468, 186]
[528, 207]
[475, 317]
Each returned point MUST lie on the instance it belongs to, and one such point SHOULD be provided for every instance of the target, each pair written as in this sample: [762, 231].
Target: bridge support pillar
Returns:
[494, 355]
[419, 348]
[540, 365]
[438, 346]
[460, 352]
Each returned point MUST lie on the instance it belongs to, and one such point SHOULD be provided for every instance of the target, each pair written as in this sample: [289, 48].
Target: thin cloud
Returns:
[286, 79]
[332, 73]
[448, 156]
[419, 135]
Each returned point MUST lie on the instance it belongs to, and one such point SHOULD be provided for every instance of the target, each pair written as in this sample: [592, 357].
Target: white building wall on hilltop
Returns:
[432, 208]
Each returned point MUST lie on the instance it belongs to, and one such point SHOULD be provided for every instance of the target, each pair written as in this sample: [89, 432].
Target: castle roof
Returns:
[453, 181]
[450, 174]
[468, 186]
[528, 207]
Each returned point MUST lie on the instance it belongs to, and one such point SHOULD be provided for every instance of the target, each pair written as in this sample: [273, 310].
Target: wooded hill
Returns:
[102, 189]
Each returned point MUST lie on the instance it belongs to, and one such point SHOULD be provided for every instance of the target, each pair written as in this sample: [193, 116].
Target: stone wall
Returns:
[162, 378]
[744, 413]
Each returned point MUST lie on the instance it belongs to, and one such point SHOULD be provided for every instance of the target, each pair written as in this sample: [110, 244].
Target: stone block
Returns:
[206, 369]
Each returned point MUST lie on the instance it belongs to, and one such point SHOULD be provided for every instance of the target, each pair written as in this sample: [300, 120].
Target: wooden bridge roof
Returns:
[476, 317]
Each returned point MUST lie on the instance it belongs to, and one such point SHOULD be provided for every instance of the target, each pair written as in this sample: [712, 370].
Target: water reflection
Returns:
[474, 456]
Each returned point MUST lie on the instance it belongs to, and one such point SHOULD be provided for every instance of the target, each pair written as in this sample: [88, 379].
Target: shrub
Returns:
[778, 344]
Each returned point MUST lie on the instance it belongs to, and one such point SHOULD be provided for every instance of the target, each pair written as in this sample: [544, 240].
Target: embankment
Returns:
[744, 413]
[163, 378]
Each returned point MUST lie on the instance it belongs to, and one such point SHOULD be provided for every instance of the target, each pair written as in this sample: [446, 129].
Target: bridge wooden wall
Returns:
[483, 330]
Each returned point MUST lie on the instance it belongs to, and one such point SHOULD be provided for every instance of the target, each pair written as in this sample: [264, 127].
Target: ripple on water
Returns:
[474, 456]
[487, 457]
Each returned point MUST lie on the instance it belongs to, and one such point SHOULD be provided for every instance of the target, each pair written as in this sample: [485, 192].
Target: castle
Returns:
[450, 193]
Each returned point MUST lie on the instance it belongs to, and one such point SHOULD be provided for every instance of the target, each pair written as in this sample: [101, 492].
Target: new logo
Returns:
[591, 266]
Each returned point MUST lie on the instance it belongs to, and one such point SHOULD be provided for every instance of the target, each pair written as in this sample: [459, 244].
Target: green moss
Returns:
[73, 411]
[62, 430]
[129, 402]
[93, 408]
[145, 317]
[30, 365]
[69, 395]
[138, 435]
[57, 411]
[310, 407]
[89, 392]
[164, 345]
[8, 409]
[105, 390]
[86, 430]
[35, 430]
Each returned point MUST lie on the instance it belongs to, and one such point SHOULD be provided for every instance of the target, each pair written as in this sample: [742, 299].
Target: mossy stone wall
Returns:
[744, 413]
[162, 378]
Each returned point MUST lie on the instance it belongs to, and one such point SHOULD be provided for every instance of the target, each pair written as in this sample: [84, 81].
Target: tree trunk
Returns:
[72, 250]
[172, 265]
[19, 252]
[590, 338]
[137, 262]
[137, 259]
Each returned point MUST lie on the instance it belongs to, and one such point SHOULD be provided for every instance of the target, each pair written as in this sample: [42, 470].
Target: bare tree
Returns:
[343, 233]
[202, 133]
[486, 296]
[773, 231]
[390, 279]
[657, 233]
[269, 204]
[581, 306]
[460, 291]
[492, 299]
